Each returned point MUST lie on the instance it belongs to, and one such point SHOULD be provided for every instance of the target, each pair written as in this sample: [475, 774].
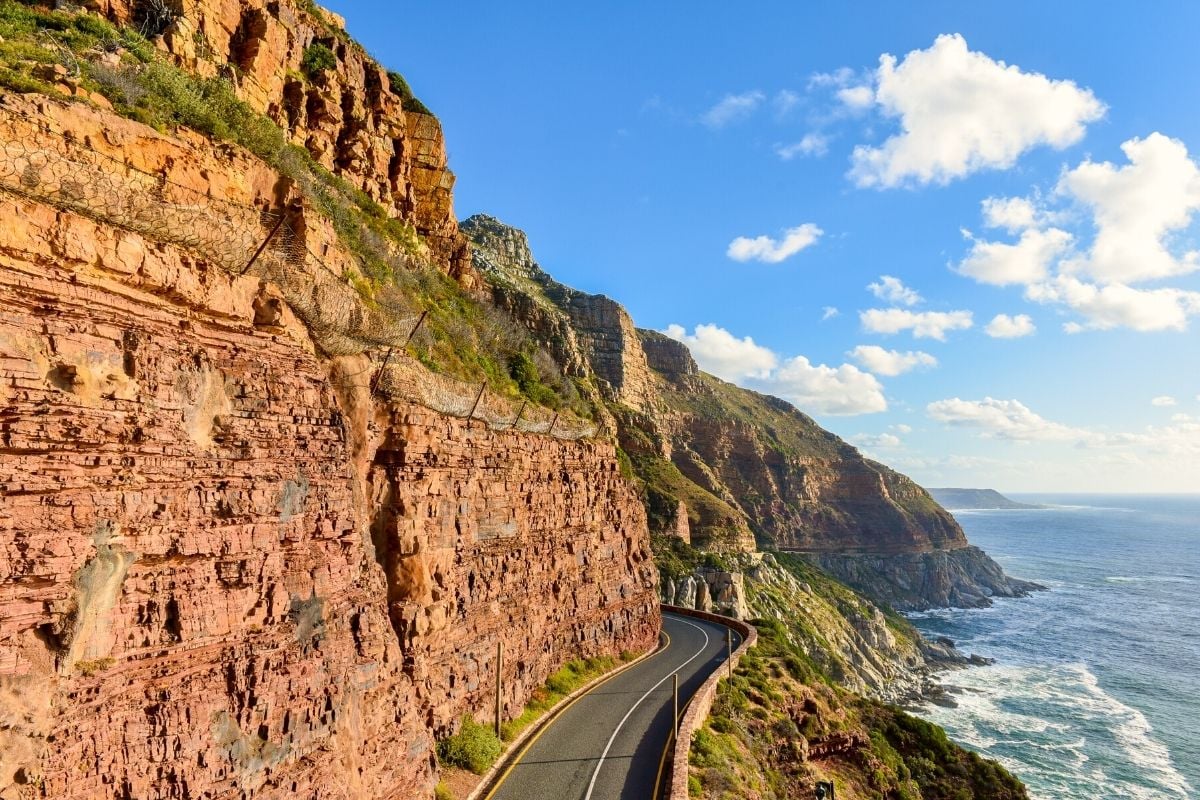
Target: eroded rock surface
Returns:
[227, 571]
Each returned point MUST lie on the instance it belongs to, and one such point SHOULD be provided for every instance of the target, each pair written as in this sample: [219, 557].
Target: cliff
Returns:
[733, 470]
[237, 558]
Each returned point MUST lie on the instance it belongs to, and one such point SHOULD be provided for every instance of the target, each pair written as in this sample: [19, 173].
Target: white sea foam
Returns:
[1044, 713]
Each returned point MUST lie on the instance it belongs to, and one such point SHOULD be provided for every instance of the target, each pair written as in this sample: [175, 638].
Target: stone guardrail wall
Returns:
[702, 701]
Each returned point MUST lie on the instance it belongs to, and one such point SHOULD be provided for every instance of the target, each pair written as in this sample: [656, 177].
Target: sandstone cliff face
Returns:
[350, 118]
[227, 569]
[735, 469]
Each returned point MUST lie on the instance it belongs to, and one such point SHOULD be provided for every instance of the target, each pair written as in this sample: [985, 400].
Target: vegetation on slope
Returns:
[779, 726]
[74, 55]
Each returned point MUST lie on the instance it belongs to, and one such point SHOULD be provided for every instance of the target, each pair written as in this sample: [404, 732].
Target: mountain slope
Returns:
[731, 469]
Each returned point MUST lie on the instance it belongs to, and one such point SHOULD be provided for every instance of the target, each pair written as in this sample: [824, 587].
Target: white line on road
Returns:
[596, 774]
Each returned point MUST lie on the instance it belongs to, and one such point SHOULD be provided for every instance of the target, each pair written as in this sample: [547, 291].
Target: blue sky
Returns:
[646, 150]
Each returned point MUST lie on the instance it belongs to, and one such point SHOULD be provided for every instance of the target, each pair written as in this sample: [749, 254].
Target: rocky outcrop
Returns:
[226, 567]
[965, 577]
[351, 118]
[849, 638]
[591, 335]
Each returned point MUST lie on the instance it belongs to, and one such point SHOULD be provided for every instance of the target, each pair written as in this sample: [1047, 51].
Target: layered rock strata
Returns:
[226, 569]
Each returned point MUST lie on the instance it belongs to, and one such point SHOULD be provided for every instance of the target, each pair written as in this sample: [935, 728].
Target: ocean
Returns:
[1095, 692]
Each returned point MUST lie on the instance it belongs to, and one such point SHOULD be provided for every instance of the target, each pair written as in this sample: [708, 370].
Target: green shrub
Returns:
[442, 792]
[317, 60]
[475, 747]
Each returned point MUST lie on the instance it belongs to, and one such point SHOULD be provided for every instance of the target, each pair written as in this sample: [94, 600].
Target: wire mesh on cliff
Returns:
[40, 164]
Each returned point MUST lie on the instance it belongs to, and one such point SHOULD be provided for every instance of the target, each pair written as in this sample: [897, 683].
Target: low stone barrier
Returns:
[702, 701]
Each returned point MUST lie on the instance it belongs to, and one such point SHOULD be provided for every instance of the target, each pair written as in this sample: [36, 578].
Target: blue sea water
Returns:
[1095, 692]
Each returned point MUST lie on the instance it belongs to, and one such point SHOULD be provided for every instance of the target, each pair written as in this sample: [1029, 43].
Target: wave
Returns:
[1060, 731]
[1150, 579]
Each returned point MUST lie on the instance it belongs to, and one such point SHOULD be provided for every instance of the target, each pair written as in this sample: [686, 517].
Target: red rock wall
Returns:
[351, 119]
[191, 603]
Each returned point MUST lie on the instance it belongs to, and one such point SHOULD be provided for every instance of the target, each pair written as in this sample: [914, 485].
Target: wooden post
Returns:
[675, 693]
[499, 683]
[478, 397]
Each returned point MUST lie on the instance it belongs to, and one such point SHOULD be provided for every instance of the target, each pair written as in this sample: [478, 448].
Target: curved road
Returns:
[610, 743]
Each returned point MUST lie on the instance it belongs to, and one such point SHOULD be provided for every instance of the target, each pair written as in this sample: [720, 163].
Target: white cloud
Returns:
[784, 101]
[838, 78]
[1181, 418]
[890, 362]
[1003, 326]
[721, 353]
[902, 428]
[1135, 208]
[1004, 419]
[829, 312]
[893, 290]
[882, 440]
[837, 391]
[925, 325]
[1011, 213]
[1164, 401]
[732, 108]
[1027, 261]
[772, 251]
[815, 388]
[857, 98]
[1117, 305]
[813, 144]
[961, 111]
[1136, 213]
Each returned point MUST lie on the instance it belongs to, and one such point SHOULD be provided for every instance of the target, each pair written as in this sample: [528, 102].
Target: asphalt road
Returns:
[609, 744]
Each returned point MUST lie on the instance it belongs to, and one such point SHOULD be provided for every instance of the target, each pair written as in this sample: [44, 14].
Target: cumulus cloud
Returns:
[857, 98]
[924, 325]
[902, 428]
[732, 108]
[829, 312]
[1011, 213]
[837, 391]
[891, 363]
[1134, 214]
[721, 353]
[1027, 261]
[772, 251]
[1003, 326]
[1117, 305]
[1164, 401]
[961, 111]
[1135, 208]
[1004, 419]
[813, 144]
[893, 290]
[817, 388]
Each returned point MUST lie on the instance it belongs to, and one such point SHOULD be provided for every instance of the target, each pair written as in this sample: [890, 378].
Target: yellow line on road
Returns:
[546, 725]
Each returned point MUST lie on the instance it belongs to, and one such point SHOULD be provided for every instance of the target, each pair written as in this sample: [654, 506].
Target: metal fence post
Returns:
[553, 422]
[267, 241]
[520, 411]
[478, 397]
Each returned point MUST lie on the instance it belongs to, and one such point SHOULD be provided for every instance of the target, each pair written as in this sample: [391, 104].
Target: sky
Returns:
[963, 236]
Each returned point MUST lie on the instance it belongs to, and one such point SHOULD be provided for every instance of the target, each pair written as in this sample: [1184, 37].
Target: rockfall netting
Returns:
[41, 164]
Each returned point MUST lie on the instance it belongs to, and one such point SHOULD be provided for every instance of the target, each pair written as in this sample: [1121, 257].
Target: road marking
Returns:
[545, 725]
[596, 774]
[662, 762]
